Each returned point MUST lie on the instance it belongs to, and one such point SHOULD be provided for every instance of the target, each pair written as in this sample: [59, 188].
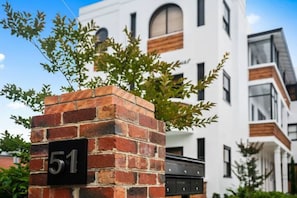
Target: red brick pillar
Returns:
[126, 145]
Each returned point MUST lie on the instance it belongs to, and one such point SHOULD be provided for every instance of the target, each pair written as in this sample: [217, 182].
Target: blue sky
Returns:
[20, 61]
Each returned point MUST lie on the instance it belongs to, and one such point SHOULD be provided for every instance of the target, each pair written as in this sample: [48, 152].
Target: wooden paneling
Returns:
[166, 43]
[269, 72]
[269, 129]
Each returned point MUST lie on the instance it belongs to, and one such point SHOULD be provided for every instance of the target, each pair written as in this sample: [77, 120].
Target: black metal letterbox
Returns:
[184, 176]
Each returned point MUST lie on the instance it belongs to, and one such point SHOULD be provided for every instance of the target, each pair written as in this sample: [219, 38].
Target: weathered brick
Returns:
[146, 149]
[161, 152]
[147, 121]
[79, 115]
[125, 177]
[106, 112]
[119, 143]
[137, 132]
[157, 165]
[34, 192]
[137, 162]
[58, 108]
[50, 100]
[106, 90]
[106, 177]
[95, 102]
[62, 133]
[147, 178]
[161, 126]
[39, 150]
[91, 145]
[145, 104]
[157, 192]
[95, 192]
[135, 192]
[60, 192]
[98, 129]
[79, 95]
[37, 135]
[126, 114]
[39, 179]
[36, 164]
[49, 120]
[157, 138]
[101, 161]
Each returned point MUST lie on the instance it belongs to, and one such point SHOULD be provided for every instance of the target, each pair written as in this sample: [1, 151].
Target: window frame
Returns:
[165, 8]
[201, 149]
[295, 132]
[226, 91]
[227, 164]
[133, 24]
[273, 100]
[200, 13]
[201, 76]
[226, 22]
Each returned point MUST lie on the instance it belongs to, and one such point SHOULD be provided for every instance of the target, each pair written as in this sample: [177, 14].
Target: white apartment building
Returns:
[252, 101]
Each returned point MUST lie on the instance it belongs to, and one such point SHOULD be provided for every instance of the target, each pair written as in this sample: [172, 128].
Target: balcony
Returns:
[271, 47]
[269, 129]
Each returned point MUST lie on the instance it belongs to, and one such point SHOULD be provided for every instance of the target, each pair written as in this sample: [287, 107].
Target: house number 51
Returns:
[58, 165]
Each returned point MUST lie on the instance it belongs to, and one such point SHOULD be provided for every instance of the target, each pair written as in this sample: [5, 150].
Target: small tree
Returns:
[14, 181]
[70, 47]
[246, 169]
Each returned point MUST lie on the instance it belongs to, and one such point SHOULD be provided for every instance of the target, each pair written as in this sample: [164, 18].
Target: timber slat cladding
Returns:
[166, 43]
[269, 72]
[269, 129]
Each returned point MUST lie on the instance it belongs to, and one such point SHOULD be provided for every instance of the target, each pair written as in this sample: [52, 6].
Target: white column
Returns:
[285, 172]
[277, 169]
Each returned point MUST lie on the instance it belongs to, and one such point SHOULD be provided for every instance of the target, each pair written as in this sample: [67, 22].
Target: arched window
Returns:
[165, 20]
[101, 35]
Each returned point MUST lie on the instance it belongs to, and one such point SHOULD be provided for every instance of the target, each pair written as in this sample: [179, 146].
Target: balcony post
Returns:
[277, 169]
[285, 172]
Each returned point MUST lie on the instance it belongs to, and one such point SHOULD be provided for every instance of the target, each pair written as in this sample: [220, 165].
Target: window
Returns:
[200, 12]
[178, 79]
[133, 24]
[226, 87]
[226, 17]
[167, 19]
[292, 131]
[101, 35]
[200, 74]
[201, 149]
[263, 98]
[227, 161]
[175, 150]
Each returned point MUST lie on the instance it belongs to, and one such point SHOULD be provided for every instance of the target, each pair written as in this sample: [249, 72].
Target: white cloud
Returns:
[16, 105]
[253, 18]
[2, 57]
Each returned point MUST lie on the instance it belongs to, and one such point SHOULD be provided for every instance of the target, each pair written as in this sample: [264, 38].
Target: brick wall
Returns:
[126, 144]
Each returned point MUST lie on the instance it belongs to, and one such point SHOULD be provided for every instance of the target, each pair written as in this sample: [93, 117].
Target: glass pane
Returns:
[226, 82]
[158, 24]
[262, 107]
[175, 19]
[257, 90]
[260, 52]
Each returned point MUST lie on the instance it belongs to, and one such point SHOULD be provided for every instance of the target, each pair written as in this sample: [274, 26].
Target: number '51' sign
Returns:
[67, 162]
